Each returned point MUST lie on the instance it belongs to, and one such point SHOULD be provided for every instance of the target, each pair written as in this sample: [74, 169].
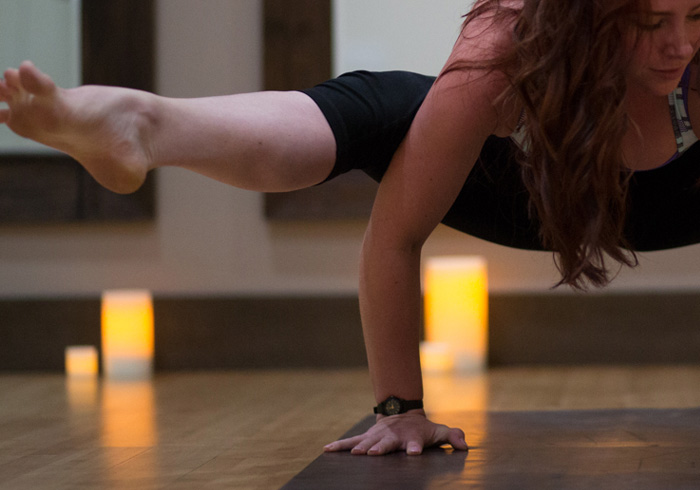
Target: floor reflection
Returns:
[124, 412]
[448, 393]
[82, 393]
[128, 414]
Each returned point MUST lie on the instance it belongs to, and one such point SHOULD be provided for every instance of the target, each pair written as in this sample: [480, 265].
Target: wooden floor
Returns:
[257, 430]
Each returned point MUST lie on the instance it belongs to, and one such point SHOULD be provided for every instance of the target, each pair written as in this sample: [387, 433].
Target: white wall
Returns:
[213, 239]
[415, 35]
[48, 33]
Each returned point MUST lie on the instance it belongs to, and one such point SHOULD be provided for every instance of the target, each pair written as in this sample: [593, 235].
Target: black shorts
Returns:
[370, 113]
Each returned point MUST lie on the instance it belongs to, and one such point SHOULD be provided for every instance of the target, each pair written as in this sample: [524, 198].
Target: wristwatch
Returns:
[395, 406]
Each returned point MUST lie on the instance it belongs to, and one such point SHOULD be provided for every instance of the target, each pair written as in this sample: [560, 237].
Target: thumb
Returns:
[456, 439]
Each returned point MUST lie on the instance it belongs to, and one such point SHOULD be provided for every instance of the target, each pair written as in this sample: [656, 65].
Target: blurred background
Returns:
[208, 240]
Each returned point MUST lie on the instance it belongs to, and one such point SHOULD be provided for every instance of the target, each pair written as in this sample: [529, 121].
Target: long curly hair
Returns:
[566, 67]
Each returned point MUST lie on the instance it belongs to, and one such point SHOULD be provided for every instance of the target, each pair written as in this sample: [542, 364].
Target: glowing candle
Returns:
[127, 334]
[81, 361]
[456, 308]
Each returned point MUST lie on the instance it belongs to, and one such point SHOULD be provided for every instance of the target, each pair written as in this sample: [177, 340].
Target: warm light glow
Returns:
[436, 357]
[128, 414]
[456, 308]
[127, 334]
[81, 361]
[82, 394]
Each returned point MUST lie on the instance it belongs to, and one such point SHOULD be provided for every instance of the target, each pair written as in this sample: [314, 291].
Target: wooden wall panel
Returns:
[325, 332]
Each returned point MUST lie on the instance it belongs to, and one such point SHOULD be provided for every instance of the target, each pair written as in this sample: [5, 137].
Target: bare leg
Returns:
[268, 141]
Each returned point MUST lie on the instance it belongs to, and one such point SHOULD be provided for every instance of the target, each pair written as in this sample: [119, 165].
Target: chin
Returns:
[655, 84]
[661, 89]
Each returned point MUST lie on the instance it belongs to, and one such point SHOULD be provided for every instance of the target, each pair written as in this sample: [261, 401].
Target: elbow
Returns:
[387, 241]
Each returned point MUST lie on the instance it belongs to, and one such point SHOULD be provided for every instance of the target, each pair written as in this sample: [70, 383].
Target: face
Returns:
[669, 36]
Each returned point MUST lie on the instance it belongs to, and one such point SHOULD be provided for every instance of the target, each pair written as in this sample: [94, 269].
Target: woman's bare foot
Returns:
[104, 128]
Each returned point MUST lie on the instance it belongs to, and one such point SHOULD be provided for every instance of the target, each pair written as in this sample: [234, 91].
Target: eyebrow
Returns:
[661, 13]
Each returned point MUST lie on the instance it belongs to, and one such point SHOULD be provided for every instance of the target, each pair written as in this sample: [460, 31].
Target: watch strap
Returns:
[396, 406]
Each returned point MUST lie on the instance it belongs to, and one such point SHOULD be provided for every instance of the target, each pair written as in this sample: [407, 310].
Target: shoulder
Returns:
[474, 77]
[487, 31]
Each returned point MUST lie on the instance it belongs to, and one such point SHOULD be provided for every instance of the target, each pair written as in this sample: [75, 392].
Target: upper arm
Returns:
[434, 160]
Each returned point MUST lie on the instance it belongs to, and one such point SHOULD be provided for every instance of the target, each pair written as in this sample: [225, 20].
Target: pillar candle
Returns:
[456, 308]
[127, 334]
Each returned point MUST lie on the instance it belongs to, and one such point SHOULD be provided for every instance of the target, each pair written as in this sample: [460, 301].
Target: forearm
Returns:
[390, 303]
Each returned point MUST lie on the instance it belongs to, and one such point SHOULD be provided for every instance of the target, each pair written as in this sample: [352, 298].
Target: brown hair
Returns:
[566, 68]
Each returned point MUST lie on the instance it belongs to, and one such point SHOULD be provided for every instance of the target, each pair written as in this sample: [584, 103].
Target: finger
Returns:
[385, 446]
[343, 444]
[414, 448]
[365, 447]
[456, 439]
[35, 81]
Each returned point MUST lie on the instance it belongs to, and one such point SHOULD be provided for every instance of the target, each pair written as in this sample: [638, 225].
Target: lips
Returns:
[669, 73]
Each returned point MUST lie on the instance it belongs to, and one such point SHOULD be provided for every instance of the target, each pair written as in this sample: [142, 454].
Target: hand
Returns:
[410, 432]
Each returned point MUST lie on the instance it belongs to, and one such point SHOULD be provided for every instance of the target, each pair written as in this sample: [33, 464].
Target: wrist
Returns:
[397, 406]
[418, 412]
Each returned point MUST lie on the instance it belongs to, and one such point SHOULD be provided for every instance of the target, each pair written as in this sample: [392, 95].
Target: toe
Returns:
[12, 79]
[5, 93]
[35, 81]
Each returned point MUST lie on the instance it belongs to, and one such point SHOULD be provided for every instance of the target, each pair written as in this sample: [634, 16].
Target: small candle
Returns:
[81, 361]
[127, 334]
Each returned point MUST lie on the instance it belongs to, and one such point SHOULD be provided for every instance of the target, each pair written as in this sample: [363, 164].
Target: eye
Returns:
[650, 25]
[694, 17]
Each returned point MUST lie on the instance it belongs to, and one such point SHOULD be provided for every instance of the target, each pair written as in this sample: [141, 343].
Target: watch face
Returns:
[392, 406]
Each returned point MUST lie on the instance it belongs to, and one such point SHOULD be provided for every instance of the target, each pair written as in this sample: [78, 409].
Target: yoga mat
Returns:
[597, 449]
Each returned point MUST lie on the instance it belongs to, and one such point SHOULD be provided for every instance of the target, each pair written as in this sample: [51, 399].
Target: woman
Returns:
[535, 135]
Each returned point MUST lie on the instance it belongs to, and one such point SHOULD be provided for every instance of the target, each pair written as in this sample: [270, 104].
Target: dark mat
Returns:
[601, 449]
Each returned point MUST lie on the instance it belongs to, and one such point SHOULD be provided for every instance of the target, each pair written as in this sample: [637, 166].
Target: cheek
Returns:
[639, 57]
[644, 50]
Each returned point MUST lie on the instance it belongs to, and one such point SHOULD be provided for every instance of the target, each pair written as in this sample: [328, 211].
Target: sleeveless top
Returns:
[678, 106]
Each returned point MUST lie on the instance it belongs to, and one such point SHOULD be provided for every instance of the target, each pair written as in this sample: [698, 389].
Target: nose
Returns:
[679, 43]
